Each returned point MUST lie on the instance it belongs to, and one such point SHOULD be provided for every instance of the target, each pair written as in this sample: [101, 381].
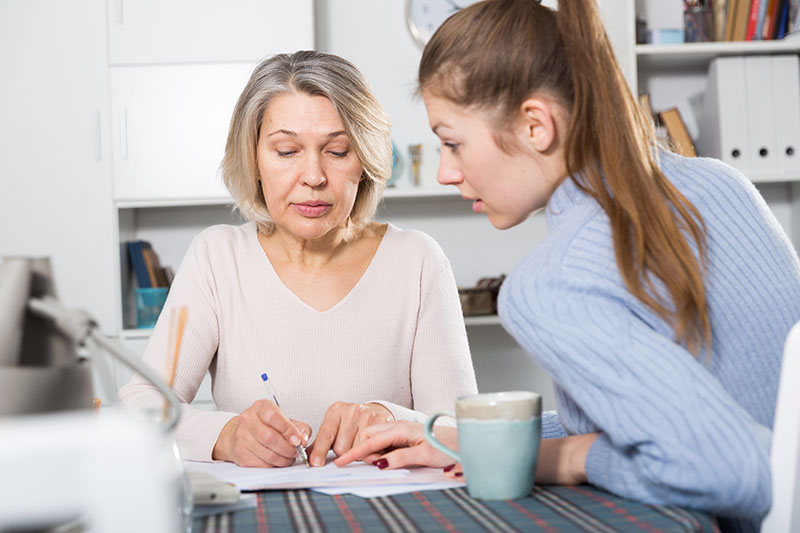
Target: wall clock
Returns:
[424, 16]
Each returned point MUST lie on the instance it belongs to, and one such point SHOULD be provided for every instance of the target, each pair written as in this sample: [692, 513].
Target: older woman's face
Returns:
[309, 173]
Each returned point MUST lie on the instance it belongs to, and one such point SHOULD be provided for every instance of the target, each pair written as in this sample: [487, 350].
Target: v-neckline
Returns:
[343, 299]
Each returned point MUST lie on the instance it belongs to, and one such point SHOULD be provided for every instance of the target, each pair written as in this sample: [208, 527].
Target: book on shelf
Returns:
[718, 10]
[678, 133]
[741, 18]
[762, 13]
[753, 20]
[146, 267]
[752, 23]
[780, 30]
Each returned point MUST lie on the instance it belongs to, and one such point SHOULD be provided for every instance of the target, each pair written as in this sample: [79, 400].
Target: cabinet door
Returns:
[169, 127]
[177, 31]
[55, 171]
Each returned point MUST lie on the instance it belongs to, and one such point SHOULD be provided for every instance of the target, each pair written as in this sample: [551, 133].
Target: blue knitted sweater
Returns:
[674, 429]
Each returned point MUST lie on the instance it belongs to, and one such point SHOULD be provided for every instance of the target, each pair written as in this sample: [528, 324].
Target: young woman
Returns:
[661, 298]
[356, 322]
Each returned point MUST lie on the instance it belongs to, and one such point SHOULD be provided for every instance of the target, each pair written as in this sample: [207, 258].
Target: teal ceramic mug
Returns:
[498, 442]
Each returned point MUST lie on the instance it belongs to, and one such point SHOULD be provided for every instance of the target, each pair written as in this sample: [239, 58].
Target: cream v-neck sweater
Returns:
[397, 337]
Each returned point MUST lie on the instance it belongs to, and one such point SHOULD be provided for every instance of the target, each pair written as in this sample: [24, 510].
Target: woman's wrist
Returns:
[380, 409]
[219, 453]
[579, 446]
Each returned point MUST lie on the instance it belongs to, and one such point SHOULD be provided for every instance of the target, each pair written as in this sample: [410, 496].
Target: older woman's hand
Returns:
[401, 444]
[341, 427]
[261, 436]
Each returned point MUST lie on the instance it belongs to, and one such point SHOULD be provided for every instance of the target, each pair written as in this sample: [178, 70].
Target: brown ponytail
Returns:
[495, 54]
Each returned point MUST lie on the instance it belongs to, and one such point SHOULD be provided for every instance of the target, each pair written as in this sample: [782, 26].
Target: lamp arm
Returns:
[79, 326]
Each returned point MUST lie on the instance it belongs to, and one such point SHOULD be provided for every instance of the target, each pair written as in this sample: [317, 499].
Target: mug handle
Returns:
[434, 442]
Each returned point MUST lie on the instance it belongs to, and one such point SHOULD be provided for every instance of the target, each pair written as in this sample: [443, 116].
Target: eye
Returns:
[286, 153]
[452, 146]
[338, 154]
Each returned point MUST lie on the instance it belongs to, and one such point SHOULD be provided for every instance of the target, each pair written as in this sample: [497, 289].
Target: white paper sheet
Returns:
[374, 491]
[298, 475]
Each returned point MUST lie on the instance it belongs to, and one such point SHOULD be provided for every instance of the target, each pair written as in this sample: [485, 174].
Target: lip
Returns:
[477, 205]
[312, 208]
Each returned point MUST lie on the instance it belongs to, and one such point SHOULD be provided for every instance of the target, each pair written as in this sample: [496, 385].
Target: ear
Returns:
[538, 123]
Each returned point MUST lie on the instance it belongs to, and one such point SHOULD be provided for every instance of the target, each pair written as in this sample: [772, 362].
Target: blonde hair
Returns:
[316, 74]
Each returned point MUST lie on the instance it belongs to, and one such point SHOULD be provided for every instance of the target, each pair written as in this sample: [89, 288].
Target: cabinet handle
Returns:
[119, 13]
[98, 153]
[123, 134]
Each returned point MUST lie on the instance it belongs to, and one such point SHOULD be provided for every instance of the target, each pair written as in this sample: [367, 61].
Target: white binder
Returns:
[786, 97]
[723, 123]
[762, 147]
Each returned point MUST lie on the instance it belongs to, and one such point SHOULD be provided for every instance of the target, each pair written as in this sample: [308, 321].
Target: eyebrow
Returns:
[294, 134]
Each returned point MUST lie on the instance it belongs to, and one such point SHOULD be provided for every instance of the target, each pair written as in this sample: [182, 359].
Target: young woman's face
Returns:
[506, 187]
[309, 173]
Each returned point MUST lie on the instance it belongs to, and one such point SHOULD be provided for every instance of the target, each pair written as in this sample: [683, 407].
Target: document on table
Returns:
[299, 476]
[374, 491]
[360, 479]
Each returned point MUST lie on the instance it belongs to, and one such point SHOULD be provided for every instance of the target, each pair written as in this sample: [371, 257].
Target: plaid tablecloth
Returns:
[549, 508]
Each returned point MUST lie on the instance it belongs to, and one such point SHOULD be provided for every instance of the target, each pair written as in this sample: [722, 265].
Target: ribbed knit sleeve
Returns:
[670, 433]
[441, 368]
[674, 429]
[194, 289]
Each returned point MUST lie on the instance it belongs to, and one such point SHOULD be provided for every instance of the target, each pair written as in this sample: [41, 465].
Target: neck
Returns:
[303, 253]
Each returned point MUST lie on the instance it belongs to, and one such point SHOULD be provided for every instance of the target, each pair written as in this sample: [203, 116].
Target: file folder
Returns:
[762, 147]
[785, 88]
[723, 123]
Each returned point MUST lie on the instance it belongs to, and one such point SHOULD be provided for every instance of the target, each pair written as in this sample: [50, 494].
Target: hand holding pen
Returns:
[261, 436]
[271, 394]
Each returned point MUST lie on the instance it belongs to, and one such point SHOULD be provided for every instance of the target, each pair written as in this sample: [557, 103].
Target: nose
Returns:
[313, 174]
[448, 174]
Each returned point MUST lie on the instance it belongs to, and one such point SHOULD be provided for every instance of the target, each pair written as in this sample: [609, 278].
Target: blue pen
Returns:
[271, 393]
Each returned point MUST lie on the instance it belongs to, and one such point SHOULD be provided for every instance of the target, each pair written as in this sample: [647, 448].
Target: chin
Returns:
[505, 222]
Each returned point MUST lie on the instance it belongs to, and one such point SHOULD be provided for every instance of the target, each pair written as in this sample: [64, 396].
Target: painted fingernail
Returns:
[459, 474]
[381, 463]
[449, 467]
[294, 440]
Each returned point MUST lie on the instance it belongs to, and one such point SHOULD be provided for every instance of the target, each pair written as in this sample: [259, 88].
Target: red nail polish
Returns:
[449, 467]
[459, 474]
[381, 463]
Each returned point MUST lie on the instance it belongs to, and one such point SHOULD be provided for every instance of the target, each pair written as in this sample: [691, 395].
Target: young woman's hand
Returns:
[342, 426]
[261, 436]
[400, 444]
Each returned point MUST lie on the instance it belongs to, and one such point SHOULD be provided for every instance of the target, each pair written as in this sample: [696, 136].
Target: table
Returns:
[549, 509]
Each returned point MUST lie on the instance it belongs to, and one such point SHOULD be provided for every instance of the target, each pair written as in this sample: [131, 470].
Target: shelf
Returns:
[134, 333]
[173, 202]
[422, 192]
[698, 55]
[482, 320]
[755, 178]
[403, 193]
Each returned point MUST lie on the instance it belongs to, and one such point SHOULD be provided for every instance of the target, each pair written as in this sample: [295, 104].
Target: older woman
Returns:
[356, 322]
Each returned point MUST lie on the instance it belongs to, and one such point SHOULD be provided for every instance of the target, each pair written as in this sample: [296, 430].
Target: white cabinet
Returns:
[169, 127]
[180, 31]
[54, 153]
[677, 75]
